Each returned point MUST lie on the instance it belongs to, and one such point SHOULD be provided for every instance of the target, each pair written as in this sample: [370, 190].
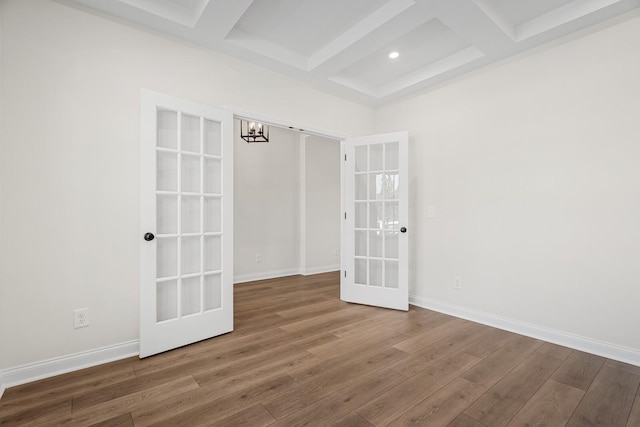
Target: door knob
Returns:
[403, 230]
[149, 237]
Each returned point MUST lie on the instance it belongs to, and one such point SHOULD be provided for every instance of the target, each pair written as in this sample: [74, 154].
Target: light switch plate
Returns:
[431, 212]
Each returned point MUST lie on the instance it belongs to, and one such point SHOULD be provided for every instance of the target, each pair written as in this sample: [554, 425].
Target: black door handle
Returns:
[403, 230]
[149, 237]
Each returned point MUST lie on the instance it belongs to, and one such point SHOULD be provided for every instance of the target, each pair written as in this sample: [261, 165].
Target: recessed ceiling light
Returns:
[394, 55]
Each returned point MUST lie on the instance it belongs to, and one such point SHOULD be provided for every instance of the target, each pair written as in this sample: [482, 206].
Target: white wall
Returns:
[69, 172]
[533, 168]
[266, 205]
[322, 204]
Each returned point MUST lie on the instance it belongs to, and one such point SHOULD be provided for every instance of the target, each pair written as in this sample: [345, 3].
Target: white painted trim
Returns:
[265, 275]
[302, 194]
[63, 364]
[284, 273]
[343, 229]
[273, 121]
[322, 269]
[2, 384]
[566, 339]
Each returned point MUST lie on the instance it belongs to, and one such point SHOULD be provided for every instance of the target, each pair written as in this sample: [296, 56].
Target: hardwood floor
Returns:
[300, 356]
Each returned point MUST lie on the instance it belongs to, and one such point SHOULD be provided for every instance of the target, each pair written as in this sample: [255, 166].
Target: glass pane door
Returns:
[374, 234]
[186, 253]
[377, 192]
[189, 215]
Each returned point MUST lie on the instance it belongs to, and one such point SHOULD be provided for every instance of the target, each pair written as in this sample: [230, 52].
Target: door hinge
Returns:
[345, 273]
[345, 157]
[345, 215]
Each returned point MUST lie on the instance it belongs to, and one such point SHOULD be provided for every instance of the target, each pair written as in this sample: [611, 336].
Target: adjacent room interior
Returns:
[286, 205]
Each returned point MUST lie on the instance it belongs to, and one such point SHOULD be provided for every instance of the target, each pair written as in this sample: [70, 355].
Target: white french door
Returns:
[375, 243]
[186, 252]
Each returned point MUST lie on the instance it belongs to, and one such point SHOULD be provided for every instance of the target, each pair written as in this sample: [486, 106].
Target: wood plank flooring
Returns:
[300, 356]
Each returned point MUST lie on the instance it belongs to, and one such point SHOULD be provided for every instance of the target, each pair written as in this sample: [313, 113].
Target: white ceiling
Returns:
[343, 45]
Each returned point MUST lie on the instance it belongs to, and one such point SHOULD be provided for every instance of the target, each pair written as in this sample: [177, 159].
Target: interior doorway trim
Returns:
[302, 200]
[285, 124]
[304, 132]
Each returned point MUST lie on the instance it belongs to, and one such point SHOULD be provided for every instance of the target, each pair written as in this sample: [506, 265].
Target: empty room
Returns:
[332, 213]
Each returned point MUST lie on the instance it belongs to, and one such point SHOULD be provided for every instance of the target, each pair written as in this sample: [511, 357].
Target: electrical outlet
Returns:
[457, 282]
[80, 318]
[258, 257]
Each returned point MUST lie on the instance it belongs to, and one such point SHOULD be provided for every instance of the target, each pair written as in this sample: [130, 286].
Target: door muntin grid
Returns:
[189, 206]
[376, 214]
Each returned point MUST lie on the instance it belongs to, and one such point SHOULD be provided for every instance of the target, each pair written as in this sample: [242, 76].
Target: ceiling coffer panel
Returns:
[183, 12]
[417, 49]
[303, 26]
[518, 12]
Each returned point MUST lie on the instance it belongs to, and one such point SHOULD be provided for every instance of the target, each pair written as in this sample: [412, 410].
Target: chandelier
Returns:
[254, 131]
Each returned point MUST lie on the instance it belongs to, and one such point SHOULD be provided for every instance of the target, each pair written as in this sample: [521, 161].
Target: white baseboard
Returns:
[589, 345]
[265, 275]
[318, 270]
[243, 278]
[48, 368]
[60, 365]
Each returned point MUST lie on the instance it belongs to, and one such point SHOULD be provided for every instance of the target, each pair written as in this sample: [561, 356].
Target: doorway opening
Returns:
[287, 207]
[294, 203]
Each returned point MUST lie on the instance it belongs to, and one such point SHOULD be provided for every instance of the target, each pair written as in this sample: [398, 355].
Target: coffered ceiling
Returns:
[344, 45]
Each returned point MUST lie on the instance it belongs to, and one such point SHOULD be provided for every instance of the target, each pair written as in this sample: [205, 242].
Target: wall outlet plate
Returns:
[457, 282]
[81, 318]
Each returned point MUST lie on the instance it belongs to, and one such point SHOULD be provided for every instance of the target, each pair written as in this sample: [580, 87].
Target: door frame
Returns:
[239, 114]
[287, 124]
